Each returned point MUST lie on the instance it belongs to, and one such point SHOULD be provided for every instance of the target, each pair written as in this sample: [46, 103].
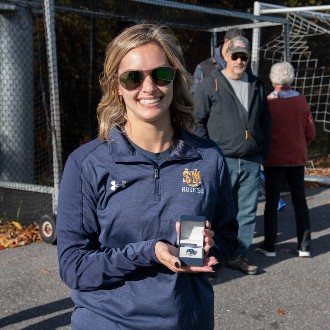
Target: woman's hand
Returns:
[167, 254]
[208, 237]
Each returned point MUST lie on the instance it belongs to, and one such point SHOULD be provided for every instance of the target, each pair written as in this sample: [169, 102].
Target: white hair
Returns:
[282, 74]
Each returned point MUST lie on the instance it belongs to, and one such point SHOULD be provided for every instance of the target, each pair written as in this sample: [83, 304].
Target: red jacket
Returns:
[292, 128]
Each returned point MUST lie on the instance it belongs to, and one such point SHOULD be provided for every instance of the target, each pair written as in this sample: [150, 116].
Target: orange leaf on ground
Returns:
[45, 271]
[280, 311]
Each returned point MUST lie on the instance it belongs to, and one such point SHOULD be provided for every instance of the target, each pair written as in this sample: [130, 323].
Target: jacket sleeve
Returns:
[198, 77]
[83, 263]
[202, 108]
[265, 123]
[224, 224]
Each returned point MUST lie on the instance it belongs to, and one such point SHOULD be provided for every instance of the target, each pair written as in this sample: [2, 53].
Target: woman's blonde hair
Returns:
[111, 111]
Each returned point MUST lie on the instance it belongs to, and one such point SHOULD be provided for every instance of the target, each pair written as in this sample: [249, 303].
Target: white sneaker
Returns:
[304, 252]
[265, 252]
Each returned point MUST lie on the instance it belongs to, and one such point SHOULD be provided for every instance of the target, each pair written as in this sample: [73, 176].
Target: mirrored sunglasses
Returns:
[133, 79]
[243, 58]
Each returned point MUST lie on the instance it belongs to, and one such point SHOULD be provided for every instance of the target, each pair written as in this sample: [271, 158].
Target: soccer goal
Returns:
[309, 35]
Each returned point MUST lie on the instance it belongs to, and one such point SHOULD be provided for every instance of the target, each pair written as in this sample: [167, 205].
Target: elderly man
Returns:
[232, 110]
[204, 68]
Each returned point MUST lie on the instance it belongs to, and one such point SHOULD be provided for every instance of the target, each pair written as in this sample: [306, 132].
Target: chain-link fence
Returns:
[49, 90]
[26, 160]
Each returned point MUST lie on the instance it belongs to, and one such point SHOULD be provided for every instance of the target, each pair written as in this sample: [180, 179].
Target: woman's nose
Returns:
[148, 84]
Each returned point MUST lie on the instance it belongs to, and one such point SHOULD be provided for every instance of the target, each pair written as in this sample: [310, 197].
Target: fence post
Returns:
[16, 95]
[54, 97]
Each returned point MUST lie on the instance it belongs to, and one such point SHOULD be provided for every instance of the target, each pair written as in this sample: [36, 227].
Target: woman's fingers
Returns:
[208, 237]
[167, 255]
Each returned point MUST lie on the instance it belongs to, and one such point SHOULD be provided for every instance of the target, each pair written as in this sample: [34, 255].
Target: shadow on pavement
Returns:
[287, 242]
[39, 311]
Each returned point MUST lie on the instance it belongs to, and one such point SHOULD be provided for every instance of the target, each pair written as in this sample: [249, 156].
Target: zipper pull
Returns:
[156, 173]
[246, 134]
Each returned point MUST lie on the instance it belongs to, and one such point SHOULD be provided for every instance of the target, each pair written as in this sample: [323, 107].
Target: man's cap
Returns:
[234, 32]
[239, 45]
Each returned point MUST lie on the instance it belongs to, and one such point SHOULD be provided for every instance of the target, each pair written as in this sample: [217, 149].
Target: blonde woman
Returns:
[122, 194]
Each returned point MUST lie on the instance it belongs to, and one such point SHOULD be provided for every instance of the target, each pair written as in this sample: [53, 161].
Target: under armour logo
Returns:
[115, 185]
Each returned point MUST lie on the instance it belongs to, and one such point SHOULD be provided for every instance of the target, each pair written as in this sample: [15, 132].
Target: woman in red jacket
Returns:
[292, 131]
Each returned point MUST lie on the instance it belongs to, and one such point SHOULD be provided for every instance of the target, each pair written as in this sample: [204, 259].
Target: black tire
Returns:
[47, 228]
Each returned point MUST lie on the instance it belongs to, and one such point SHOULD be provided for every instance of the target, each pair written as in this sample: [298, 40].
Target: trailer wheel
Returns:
[47, 228]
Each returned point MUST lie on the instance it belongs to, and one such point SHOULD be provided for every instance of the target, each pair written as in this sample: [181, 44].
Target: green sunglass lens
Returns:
[162, 76]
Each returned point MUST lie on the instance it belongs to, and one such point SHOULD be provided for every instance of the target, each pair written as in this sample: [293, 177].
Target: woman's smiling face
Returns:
[149, 102]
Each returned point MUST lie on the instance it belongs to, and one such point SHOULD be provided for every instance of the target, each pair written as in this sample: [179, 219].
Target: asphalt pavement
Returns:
[288, 293]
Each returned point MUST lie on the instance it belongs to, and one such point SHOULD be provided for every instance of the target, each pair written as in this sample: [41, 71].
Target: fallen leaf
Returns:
[5, 242]
[280, 311]
[17, 224]
[45, 271]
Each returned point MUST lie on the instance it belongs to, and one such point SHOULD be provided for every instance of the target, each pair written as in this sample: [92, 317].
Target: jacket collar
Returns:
[218, 56]
[120, 149]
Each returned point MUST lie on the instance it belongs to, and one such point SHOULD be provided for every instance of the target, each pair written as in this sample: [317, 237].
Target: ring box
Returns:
[191, 240]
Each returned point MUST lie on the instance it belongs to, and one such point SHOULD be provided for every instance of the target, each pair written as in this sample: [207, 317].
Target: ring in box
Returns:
[191, 240]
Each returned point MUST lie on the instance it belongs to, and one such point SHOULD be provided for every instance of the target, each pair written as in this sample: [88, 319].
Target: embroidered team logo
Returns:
[193, 180]
[115, 185]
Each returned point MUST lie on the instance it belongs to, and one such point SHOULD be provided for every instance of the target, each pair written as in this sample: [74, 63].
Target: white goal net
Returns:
[309, 37]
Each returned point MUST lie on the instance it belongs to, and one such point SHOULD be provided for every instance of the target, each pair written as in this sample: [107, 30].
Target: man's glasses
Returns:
[133, 79]
[243, 58]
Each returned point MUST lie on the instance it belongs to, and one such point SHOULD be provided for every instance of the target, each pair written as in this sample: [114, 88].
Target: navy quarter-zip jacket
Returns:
[115, 205]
